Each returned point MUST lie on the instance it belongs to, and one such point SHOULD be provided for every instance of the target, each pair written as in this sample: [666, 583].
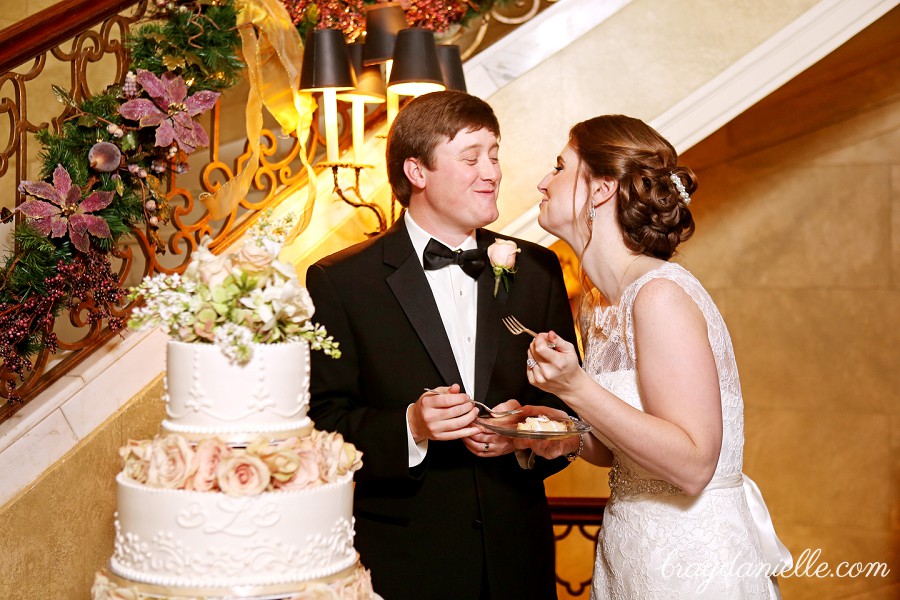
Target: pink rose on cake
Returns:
[136, 456]
[104, 589]
[171, 462]
[243, 475]
[330, 447]
[350, 459]
[207, 455]
[336, 457]
[252, 258]
[307, 473]
[282, 458]
[207, 267]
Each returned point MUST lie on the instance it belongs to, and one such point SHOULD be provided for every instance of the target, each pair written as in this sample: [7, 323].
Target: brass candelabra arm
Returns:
[359, 201]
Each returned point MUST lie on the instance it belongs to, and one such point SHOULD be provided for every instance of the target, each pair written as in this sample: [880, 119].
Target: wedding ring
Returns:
[531, 363]
[487, 447]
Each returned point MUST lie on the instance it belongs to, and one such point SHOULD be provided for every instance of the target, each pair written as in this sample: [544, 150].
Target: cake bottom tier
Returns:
[354, 583]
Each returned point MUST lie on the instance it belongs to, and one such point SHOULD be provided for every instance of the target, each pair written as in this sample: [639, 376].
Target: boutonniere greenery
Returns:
[502, 255]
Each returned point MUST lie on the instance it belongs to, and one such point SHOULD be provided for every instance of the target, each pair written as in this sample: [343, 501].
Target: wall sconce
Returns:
[383, 21]
[369, 90]
[451, 67]
[353, 74]
[416, 68]
[326, 69]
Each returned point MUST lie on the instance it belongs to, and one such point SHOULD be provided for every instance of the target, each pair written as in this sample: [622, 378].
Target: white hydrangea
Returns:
[234, 300]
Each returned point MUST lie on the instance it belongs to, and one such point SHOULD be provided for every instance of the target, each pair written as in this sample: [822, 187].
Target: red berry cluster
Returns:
[93, 287]
[86, 282]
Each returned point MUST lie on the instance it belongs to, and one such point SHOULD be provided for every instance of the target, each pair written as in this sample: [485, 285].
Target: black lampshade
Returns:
[416, 68]
[369, 82]
[451, 67]
[326, 62]
[383, 21]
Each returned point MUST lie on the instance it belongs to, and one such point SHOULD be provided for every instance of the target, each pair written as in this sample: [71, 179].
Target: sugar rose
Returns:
[282, 458]
[350, 459]
[136, 455]
[207, 456]
[207, 267]
[171, 460]
[243, 475]
[330, 447]
[252, 259]
[307, 473]
[502, 253]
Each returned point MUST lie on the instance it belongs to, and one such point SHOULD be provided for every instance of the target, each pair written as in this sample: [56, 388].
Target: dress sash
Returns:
[775, 553]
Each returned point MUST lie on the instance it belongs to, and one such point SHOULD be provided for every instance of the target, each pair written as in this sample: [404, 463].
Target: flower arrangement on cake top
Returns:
[234, 300]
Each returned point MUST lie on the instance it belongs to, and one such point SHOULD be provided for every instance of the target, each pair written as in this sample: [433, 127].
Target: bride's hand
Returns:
[555, 369]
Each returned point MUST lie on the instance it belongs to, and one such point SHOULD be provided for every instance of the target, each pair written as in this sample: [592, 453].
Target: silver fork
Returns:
[485, 407]
[516, 328]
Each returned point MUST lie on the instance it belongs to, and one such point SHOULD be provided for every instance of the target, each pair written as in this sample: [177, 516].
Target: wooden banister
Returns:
[52, 26]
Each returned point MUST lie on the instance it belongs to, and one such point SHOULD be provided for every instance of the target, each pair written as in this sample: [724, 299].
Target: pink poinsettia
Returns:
[170, 110]
[66, 211]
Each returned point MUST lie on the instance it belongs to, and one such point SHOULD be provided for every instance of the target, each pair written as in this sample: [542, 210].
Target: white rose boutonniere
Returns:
[502, 255]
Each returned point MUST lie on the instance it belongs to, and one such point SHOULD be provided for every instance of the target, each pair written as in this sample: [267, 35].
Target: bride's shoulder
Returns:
[666, 288]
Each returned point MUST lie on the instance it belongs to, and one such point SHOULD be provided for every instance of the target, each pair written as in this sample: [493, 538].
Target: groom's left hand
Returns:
[488, 443]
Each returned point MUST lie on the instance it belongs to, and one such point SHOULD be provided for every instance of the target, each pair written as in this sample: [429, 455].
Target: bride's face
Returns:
[564, 196]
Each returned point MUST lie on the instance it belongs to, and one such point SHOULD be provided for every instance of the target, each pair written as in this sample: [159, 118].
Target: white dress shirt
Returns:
[456, 295]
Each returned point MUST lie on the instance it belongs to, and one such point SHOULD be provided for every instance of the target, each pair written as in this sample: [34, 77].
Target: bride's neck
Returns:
[613, 269]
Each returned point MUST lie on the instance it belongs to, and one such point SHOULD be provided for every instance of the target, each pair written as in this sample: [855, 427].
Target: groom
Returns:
[443, 508]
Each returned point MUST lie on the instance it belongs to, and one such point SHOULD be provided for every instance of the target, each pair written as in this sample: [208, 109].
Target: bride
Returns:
[659, 384]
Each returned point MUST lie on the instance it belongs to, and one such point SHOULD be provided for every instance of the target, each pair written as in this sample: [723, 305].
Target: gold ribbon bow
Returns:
[273, 53]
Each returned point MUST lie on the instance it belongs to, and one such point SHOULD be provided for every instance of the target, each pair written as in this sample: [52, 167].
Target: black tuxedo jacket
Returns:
[457, 523]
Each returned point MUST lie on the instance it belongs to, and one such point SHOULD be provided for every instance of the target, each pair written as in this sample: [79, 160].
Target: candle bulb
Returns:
[392, 99]
[329, 100]
[358, 112]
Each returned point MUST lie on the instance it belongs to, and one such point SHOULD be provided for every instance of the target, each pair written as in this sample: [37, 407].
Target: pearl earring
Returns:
[591, 213]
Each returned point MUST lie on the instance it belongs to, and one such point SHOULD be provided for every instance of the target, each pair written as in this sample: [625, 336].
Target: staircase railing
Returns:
[580, 514]
[82, 40]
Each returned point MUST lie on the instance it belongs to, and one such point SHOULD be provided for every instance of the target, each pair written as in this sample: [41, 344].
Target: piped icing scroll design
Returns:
[239, 517]
[319, 555]
[322, 551]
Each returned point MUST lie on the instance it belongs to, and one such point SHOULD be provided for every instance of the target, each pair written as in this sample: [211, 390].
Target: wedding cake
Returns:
[239, 496]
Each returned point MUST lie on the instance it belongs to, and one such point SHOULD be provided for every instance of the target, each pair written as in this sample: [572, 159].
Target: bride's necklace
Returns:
[610, 308]
[619, 288]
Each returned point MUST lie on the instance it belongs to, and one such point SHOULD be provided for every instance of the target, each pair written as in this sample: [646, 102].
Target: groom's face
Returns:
[460, 190]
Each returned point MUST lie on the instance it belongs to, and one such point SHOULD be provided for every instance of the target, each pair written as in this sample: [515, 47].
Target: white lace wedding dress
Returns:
[657, 543]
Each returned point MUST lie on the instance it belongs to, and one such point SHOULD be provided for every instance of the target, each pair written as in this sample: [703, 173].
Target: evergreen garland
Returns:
[194, 40]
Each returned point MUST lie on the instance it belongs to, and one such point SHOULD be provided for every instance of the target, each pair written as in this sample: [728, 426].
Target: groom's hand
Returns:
[442, 414]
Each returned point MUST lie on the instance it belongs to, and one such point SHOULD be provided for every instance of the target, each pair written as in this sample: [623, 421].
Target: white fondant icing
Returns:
[207, 394]
[207, 539]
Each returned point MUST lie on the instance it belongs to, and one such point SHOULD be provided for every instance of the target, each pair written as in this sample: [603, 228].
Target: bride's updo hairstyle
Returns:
[652, 208]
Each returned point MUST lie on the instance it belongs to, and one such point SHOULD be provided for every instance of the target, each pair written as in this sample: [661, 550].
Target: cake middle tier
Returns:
[208, 539]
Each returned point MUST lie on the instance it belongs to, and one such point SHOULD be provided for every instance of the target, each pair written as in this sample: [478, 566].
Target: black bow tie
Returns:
[438, 256]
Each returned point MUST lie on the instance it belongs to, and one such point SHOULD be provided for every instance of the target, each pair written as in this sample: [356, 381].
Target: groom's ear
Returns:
[603, 189]
[415, 172]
